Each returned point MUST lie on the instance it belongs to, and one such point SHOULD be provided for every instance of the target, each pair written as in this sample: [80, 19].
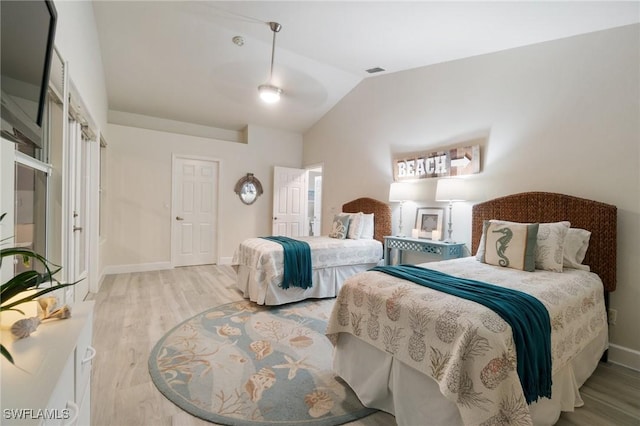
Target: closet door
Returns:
[195, 211]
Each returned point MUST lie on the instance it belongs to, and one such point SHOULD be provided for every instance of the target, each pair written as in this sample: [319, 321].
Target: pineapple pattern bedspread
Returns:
[467, 348]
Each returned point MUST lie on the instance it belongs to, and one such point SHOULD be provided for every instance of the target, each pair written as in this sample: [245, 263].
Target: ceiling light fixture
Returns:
[268, 92]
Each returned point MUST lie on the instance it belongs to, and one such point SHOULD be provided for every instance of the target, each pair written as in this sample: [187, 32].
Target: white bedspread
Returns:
[260, 266]
[467, 348]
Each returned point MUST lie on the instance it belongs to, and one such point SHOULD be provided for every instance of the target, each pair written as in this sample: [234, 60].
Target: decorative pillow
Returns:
[576, 244]
[367, 226]
[340, 226]
[512, 245]
[550, 245]
[355, 225]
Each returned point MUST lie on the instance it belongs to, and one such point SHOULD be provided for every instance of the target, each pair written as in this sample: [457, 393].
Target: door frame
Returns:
[315, 167]
[71, 191]
[174, 193]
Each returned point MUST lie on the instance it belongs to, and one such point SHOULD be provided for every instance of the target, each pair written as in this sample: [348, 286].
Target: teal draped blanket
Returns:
[297, 262]
[527, 316]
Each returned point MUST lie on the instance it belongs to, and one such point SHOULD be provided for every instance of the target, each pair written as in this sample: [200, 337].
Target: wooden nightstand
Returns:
[439, 249]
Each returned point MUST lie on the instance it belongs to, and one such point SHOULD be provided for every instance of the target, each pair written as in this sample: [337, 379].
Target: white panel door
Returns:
[195, 212]
[289, 202]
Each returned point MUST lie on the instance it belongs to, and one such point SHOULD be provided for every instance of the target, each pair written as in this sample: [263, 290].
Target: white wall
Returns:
[139, 190]
[78, 44]
[560, 116]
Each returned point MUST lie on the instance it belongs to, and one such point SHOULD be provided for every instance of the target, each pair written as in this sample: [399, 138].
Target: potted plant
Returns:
[29, 281]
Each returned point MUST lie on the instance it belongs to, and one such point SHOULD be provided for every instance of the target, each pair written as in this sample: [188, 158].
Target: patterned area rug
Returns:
[244, 364]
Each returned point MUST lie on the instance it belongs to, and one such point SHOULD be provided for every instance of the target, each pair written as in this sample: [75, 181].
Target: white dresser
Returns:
[53, 384]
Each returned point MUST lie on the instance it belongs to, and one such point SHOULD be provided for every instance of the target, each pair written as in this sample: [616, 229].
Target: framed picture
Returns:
[429, 222]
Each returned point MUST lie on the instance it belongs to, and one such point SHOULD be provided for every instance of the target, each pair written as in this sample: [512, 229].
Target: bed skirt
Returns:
[389, 385]
[326, 283]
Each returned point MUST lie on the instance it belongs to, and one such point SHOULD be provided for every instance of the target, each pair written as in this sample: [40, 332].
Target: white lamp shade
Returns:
[401, 191]
[451, 190]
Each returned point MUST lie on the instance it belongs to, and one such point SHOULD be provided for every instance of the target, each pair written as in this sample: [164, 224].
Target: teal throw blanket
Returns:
[297, 262]
[527, 316]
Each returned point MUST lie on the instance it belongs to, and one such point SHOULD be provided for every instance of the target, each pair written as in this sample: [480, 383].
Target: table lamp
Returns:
[401, 192]
[450, 190]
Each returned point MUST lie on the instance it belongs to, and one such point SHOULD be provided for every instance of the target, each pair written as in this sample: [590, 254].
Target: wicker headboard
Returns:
[381, 215]
[594, 216]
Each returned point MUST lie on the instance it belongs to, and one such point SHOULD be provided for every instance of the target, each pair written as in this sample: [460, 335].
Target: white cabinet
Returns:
[52, 384]
[58, 412]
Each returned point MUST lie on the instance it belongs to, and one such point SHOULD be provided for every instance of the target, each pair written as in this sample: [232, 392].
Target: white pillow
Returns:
[355, 225]
[549, 245]
[367, 226]
[575, 248]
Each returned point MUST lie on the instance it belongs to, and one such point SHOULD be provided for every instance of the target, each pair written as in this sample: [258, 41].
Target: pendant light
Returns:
[268, 92]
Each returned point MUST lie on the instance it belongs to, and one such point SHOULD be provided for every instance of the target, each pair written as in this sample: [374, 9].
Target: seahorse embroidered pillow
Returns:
[340, 226]
[550, 244]
[511, 245]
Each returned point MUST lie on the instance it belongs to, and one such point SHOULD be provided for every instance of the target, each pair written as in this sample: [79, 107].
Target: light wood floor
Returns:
[133, 311]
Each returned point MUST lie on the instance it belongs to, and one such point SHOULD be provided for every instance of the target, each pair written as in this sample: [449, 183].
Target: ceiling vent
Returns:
[375, 70]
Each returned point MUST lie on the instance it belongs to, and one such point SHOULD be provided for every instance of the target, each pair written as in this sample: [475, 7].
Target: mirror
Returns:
[248, 189]
[248, 193]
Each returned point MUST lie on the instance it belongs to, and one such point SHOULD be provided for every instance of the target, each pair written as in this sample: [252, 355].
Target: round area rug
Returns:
[244, 364]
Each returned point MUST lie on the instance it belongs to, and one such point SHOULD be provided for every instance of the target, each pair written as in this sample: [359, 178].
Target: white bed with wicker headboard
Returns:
[433, 358]
[259, 262]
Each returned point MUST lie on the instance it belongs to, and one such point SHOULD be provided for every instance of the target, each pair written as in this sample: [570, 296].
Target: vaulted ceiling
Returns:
[176, 60]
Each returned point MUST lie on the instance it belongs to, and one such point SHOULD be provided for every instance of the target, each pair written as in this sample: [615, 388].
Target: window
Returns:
[31, 195]
[32, 150]
[30, 207]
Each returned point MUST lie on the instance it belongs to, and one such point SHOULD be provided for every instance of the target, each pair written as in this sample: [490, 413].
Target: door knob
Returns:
[77, 228]
[179, 218]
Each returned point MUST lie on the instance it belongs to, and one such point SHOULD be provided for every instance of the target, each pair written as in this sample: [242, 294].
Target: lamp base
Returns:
[450, 229]
[400, 233]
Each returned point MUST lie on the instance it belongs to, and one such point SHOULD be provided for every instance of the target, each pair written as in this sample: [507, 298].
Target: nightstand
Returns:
[439, 249]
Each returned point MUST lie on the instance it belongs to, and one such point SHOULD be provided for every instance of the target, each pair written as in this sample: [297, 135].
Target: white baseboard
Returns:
[225, 260]
[624, 356]
[141, 267]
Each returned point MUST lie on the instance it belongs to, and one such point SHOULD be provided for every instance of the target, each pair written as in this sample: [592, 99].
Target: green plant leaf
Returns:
[14, 309]
[21, 282]
[27, 280]
[6, 354]
[26, 253]
[36, 295]
[24, 281]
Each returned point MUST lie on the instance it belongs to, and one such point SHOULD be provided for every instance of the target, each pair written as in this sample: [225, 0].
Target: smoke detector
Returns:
[238, 40]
